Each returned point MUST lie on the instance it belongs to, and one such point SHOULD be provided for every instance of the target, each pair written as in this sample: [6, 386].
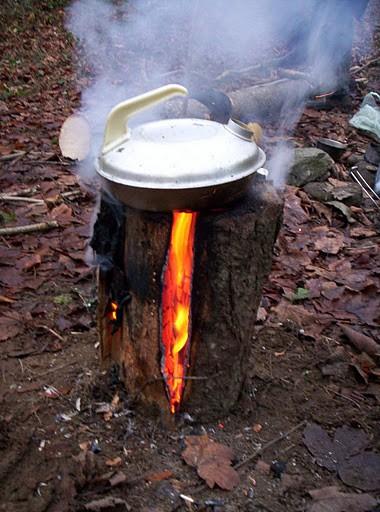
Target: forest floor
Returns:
[69, 435]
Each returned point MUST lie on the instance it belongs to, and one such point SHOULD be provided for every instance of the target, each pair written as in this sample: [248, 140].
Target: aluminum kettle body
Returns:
[176, 164]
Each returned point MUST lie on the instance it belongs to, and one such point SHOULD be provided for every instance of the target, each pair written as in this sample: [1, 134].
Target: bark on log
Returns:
[234, 258]
[233, 253]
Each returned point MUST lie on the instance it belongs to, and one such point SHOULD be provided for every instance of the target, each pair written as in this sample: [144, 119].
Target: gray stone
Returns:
[310, 164]
[321, 191]
[349, 193]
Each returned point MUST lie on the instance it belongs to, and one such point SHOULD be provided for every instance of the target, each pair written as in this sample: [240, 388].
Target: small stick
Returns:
[49, 162]
[9, 198]
[30, 228]
[5, 242]
[25, 192]
[54, 333]
[12, 156]
[346, 398]
[51, 370]
[72, 194]
[355, 69]
[259, 451]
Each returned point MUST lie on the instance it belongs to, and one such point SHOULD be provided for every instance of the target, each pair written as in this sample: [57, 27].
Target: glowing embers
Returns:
[176, 305]
[112, 311]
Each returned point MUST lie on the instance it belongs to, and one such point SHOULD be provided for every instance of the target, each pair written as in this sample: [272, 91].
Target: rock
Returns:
[310, 164]
[321, 191]
[348, 192]
[372, 154]
[363, 166]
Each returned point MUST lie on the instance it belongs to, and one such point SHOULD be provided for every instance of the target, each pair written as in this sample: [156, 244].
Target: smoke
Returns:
[131, 47]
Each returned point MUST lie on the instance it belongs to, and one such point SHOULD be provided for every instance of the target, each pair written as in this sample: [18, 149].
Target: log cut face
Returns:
[234, 257]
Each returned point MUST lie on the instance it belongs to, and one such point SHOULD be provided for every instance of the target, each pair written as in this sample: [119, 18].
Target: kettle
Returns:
[176, 164]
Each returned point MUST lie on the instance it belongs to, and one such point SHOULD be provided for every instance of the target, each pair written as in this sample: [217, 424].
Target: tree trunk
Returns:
[232, 258]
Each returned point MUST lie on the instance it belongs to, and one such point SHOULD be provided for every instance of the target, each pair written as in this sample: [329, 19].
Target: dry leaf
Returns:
[216, 471]
[212, 460]
[114, 462]
[362, 232]
[330, 453]
[330, 243]
[361, 471]
[201, 447]
[330, 499]
[9, 328]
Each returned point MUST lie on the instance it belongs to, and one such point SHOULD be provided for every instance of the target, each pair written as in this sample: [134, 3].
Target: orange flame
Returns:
[176, 304]
[112, 314]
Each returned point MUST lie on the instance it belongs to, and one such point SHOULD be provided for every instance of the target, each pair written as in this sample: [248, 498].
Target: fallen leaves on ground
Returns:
[331, 499]
[10, 326]
[346, 454]
[323, 273]
[212, 460]
[361, 471]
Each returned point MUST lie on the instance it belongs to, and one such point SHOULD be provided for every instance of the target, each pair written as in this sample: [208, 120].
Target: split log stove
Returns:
[184, 241]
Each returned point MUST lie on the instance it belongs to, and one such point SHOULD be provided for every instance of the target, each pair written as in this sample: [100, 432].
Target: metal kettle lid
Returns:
[178, 153]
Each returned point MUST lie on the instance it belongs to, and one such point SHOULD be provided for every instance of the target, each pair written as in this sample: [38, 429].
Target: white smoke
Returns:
[137, 45]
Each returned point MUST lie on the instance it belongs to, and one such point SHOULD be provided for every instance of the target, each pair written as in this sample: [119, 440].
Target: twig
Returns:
[276, 440]
[9, 198]
[356, 69]
[24, 192]
[348, 398]
[72, 194]
[51, 370]
[170, 73]
[162, 379]
[30, 228]
[12, 156]
[230, 72]
[49, 162]
[52, 332]
[294, 74]
[28, 353]
[274, 62]
[5, 242]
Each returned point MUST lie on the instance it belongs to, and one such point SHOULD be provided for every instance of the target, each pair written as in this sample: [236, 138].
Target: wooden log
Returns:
[233, 253]
[276, 100]
[271, 101]
[234, 257]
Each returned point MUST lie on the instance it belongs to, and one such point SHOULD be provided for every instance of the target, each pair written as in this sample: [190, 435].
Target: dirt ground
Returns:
[69, 434]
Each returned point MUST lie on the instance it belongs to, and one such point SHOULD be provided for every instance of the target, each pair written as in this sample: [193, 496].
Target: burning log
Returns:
[178, 295]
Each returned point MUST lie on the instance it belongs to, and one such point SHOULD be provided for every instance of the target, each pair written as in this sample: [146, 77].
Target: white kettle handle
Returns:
[116, 126]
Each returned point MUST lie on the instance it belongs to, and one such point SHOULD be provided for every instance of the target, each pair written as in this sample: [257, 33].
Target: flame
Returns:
[176, 304]
[112, 314]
